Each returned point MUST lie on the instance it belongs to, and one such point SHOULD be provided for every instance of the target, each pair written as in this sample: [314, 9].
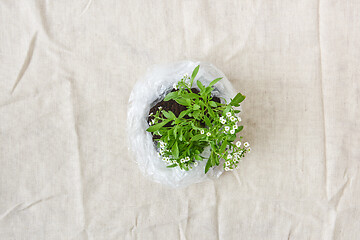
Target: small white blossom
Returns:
[151, 114]
[182, 160]
[227, 163]
[160, 107]
[153, 121]
[235, 127]
[175, 86]
[229, 156]
[232, 131]
[150, 123]
[222, 118]
[239, 119]
[228, 114]
[238, 143]
[208, 134]
[227, 128]
[249, 149]
[187, 159]
[223, 121]
[232, 118]
[195, 164]
[202, 131]
[246, 144]
[227, 169]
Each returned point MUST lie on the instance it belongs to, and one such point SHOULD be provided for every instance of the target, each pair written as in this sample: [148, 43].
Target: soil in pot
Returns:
[173, 106]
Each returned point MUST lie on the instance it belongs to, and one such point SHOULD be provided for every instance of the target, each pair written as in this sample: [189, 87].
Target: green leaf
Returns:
[175, 150]
[237, 99]
[182, 101]
[207, 121]
[197, 157]
[181, 135]
[231, 137]
[196, 114]
[157, 126]
[197, 137]
[213, 82]
[190, 95]
[193, 75]
[213, 104]
[208, 90]
[171, 95]
[183, 113]
[169, 115]
[210, 111]
[223, 146]
[240, 128]
[208, 165]
[200, 85]
[173, 165]
[175, 130]
[196, 107]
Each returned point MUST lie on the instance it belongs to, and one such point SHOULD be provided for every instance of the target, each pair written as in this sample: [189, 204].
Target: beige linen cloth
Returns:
[67, 69]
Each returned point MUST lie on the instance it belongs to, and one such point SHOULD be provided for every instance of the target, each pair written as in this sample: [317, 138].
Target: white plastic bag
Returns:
[150, 90]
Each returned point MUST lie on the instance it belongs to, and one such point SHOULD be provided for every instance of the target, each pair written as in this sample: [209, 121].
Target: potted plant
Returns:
[193, 128]
[193, 121]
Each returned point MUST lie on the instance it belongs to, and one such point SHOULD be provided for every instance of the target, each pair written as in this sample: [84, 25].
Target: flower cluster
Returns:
[165, 154]
[234, 155]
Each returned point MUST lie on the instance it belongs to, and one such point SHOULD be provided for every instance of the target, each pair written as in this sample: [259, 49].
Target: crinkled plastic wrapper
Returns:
[148, 91]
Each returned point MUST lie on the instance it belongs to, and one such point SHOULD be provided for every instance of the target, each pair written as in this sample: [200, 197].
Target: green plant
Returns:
[204, 123]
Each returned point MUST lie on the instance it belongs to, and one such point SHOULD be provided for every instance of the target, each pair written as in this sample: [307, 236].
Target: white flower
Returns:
[228, 114]
[238, 143]
[227, 128]
[246, 144]
[195, 164]
[249, 149]
[229, 156]
[208, 134]
[202, 131]
[160, 107]
[187, 159]
[223, 121]
[239, 119]
[235, 127]
[175, 86]
[150, 123]
[164, 159]
[151, 114]
[227, 169]
[174, 161]
[182, 160]
[232, 131]
[227, 163]
[153, 121]
[222, 118]
[158, 154]
[232, 118]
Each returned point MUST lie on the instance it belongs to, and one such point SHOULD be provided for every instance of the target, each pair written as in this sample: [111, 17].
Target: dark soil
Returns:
[173, 106]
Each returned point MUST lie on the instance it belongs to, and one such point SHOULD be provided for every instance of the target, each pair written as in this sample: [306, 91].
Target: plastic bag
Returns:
[152, 88]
